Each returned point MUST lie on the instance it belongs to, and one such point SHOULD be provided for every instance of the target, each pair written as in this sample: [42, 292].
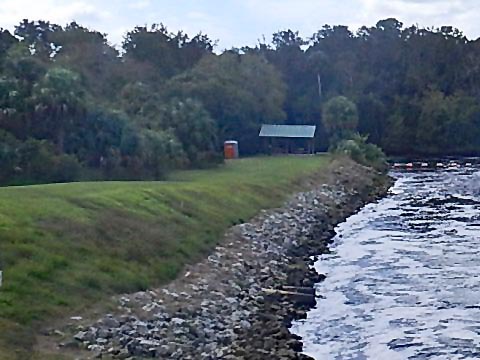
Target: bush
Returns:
[194, 128]
[160, 152]
[8, 156]
[67, 168]
[340, 118]
[362, 152]
[209, 159]
[38, 163]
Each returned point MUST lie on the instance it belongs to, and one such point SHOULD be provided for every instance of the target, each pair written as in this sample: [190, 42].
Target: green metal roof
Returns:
[288, 131]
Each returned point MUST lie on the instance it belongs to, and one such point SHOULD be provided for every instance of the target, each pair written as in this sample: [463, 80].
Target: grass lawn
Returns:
[66, 246]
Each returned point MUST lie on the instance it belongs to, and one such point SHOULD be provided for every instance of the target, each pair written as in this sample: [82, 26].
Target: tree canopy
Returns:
[340, 117]
[73, 106]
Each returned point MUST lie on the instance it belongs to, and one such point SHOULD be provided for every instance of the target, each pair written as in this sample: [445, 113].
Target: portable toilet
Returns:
[230, 149]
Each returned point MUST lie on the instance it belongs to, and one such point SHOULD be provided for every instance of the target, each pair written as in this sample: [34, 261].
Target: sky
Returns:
[236, 23]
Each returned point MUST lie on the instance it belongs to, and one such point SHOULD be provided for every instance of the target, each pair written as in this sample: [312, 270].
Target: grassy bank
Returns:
[65, 246]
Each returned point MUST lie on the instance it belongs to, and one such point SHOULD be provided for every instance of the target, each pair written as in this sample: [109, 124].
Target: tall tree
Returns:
[38, 36]
[239, 91]
[194, 128]
[59, 102]
[89, 54]
[340, 118]
[164, 53]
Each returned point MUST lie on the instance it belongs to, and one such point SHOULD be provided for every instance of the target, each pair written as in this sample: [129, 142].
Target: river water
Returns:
[403, 278]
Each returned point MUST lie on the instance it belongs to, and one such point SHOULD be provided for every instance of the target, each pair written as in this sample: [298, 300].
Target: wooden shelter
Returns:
[289, 138]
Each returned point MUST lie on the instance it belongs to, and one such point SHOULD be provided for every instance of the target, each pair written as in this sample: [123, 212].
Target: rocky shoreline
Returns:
[239, 302]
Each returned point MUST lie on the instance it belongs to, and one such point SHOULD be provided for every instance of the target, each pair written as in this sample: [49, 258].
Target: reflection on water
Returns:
[403, 279]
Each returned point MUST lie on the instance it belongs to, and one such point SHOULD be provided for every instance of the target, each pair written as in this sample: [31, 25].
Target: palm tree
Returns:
[59, 100]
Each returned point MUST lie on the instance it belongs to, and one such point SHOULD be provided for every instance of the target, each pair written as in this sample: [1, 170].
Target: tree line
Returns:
[414, 91]
[72, 106]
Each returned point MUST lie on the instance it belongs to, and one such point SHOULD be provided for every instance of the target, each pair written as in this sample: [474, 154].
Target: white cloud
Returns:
[285, 10]
[241, 22]
[306, 16]
[432, 13]
[12, 11]
[412, 8]
[140, 5]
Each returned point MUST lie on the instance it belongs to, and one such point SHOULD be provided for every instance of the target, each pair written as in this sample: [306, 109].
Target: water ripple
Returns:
[403, 278]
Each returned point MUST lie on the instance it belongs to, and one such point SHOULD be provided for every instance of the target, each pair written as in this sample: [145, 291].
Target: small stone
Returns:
[177, 321]
[95, 348]
[123, 354]
[58, 333]
[103, 333]
[101, 341]
[80, 336]
[110, 322]
[70, 345]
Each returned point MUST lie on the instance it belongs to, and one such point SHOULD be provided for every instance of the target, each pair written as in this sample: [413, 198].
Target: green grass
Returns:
[64, 247]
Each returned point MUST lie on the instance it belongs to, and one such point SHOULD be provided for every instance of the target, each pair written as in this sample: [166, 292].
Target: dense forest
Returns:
[74, 107]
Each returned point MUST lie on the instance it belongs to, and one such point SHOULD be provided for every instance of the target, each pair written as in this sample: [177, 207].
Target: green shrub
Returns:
[160, 152]
[362, 152]
[8, 156]
[209, 159]
[67, 168]
[37, 162]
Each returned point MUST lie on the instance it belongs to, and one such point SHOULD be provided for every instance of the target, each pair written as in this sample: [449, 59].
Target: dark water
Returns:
[404, 275]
